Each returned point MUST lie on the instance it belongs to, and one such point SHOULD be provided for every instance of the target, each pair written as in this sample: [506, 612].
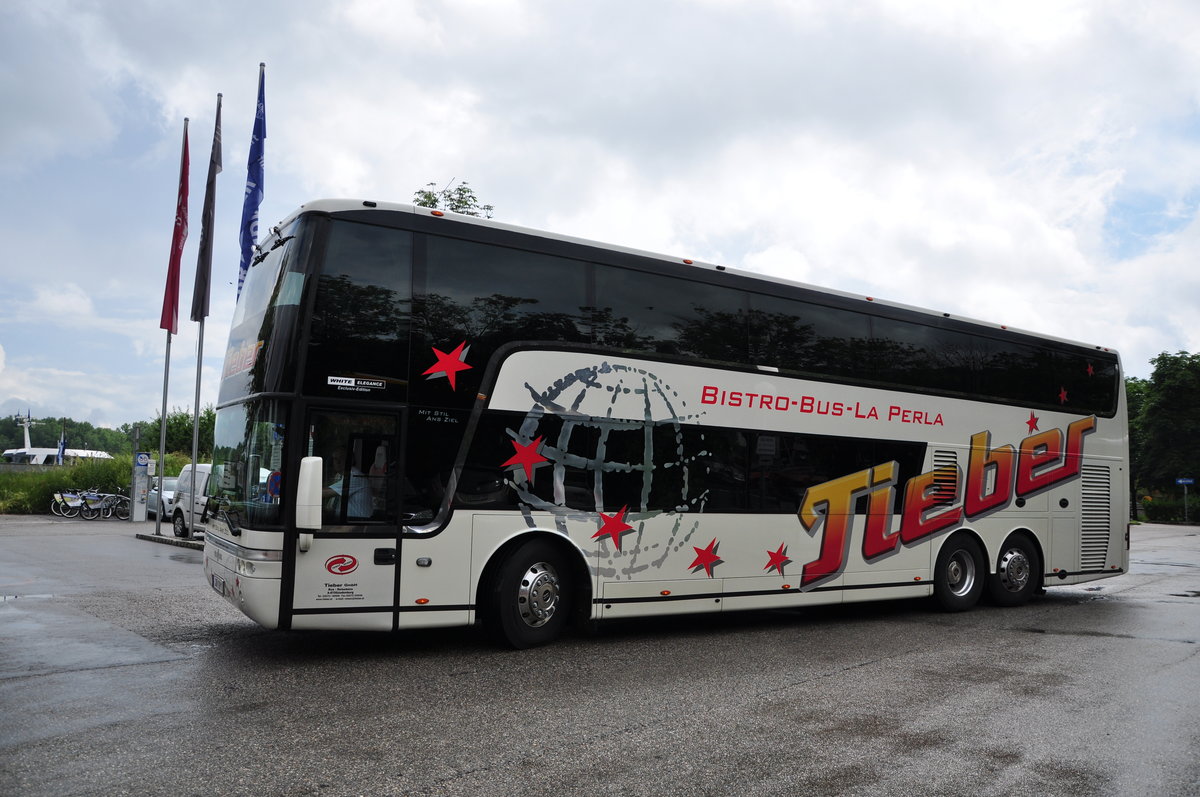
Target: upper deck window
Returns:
[358, 339]
[480, 297]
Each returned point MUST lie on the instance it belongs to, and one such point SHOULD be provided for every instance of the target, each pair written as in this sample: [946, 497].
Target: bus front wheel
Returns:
[960, 574]
[530, 598]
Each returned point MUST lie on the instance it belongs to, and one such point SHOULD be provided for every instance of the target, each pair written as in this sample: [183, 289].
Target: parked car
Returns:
[168, 496]
[185, 500]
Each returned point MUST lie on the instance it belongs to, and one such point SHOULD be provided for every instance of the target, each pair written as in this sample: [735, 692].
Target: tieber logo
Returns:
[341, 564]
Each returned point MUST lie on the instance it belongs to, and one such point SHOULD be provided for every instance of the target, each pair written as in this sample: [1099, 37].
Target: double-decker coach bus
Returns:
[433, 420]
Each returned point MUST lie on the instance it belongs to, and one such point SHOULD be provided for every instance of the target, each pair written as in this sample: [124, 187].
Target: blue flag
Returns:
[254, 183]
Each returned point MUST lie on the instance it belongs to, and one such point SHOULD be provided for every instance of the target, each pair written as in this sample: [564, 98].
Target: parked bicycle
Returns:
[67, 503]
[96, 504]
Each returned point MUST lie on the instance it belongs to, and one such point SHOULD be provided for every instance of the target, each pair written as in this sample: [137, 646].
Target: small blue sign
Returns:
[1185, 480]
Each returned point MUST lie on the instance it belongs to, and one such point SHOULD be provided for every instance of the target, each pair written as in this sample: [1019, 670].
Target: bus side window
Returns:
[434, 437]
[359, 456]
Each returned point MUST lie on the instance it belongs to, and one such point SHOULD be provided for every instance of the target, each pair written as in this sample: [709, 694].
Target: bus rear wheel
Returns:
[1018, 573]
[960, 573]
[529, 602]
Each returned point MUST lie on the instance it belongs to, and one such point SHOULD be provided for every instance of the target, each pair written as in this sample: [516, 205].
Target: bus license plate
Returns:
[218, 584]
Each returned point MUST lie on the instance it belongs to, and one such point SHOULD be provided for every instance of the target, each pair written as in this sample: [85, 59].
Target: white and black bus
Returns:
[433, 420]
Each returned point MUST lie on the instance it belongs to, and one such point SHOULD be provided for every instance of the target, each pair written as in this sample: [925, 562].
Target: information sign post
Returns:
[1185, 481]
[141, 485]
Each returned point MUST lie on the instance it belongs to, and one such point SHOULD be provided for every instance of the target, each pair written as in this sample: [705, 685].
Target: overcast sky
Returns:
[1032, 163]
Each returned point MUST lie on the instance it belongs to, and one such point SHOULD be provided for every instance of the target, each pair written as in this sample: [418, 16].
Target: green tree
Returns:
[457, 197]
[179, 432]
[1165, 422]
[1136, 392]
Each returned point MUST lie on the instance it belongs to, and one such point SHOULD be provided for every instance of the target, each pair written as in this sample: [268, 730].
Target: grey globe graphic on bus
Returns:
[607, 439]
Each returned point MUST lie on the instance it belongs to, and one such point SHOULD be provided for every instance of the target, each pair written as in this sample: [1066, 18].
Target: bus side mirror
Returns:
[308, 494]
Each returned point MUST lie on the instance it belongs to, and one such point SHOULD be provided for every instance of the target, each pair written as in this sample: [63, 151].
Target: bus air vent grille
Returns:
[1096, 522]
[945, 477]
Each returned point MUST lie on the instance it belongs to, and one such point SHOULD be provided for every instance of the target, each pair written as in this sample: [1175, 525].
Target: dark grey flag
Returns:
[204, 261]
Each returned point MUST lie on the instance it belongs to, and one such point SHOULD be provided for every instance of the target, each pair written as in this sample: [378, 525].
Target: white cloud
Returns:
[1017, 23]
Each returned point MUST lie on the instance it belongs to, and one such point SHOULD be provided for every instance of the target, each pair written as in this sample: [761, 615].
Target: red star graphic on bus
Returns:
[614, 526]
[1091, 370]
[1032, 423]
[706, 558]
[1062, 395]
[449, 365]
[527, 456]
[778, 559]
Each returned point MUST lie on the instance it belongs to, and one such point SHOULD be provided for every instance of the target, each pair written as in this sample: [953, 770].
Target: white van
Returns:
[185, 500]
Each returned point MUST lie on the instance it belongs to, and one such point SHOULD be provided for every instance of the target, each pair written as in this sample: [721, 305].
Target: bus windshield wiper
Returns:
[262, 253]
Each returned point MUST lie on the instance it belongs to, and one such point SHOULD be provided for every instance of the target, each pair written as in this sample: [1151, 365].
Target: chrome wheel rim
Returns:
[1014, 570]
[538, 595]
[960, 573]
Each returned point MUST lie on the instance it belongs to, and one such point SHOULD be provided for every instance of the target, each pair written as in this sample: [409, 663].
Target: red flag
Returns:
[170, 308]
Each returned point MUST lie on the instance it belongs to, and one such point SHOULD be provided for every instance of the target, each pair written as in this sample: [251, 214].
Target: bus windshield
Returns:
[247, 479]
[266, 311]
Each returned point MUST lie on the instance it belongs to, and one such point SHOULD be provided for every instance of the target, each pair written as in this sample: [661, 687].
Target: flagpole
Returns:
[196, 427]
[162, 438]
[170, 313]
[200, 294]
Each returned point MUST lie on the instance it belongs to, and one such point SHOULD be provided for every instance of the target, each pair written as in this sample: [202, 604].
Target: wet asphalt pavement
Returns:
[122, 673]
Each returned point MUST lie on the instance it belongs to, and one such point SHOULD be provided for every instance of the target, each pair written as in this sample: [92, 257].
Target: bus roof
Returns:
[334, 206]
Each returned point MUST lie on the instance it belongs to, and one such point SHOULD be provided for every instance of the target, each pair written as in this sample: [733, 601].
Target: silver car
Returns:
[168, 502]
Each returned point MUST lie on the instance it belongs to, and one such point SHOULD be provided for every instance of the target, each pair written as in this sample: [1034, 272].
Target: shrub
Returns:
[17, 491]
[1168, 510]
[30, 491]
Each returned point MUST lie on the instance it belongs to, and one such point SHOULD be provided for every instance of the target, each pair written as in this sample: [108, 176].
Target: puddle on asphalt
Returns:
[1058, 632]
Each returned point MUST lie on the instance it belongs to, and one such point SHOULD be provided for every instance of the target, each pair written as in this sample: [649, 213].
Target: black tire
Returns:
[89, 513]
[56, 507]
[959, 576]
[122, 509]
[179, 525]
[529, 602]
[1018, 574]
[70, 511]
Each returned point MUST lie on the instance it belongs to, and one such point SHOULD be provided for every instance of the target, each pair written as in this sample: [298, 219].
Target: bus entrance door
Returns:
[349, 576]
[347, 568]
